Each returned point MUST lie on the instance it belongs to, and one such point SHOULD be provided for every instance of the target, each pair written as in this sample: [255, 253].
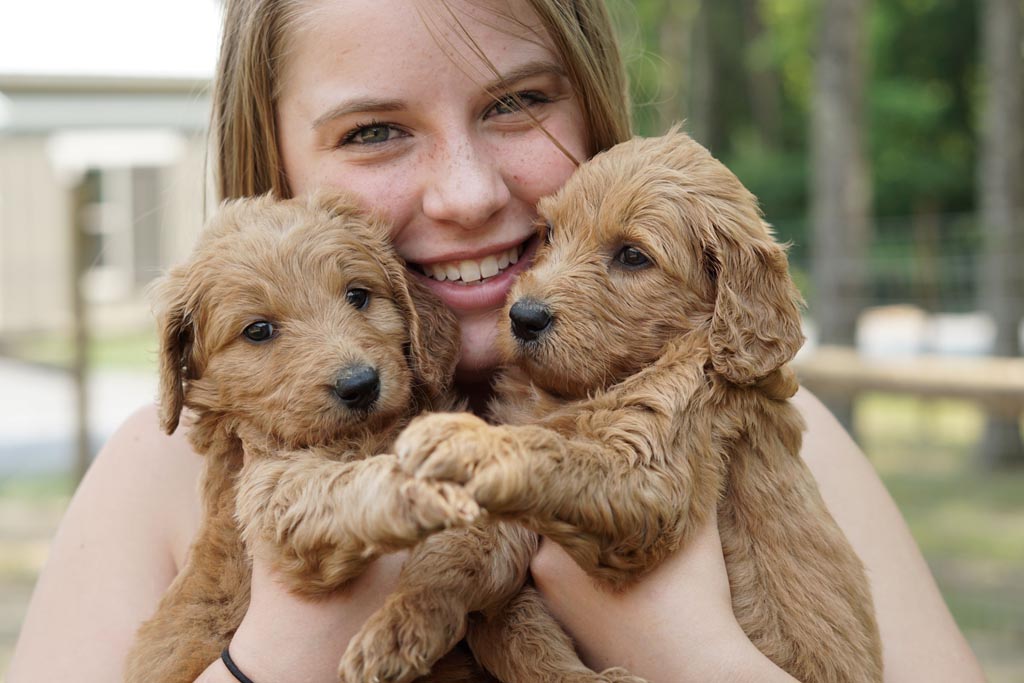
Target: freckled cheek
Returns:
[392, 195]
[536, 171]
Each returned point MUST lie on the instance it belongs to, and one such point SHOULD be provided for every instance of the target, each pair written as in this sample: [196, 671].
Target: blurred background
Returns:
[884, 138]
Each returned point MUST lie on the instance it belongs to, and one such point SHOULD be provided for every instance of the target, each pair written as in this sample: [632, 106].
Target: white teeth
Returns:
[489, 267]
[470, 270]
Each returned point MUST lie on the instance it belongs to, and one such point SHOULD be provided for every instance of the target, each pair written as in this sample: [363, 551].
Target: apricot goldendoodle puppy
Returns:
[649, 390]
[301, 349]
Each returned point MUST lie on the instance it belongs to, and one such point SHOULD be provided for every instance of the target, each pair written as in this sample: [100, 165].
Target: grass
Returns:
[124, 350]
[968, 522]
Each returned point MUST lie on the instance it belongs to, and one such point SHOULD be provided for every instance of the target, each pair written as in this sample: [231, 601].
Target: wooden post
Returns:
[79, 368]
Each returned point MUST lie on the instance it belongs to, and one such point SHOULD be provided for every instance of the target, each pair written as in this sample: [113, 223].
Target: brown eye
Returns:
[358, 297]
[259, 331]
[631, 257]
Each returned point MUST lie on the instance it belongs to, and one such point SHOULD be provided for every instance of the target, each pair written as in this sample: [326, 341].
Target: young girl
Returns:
[450, 119]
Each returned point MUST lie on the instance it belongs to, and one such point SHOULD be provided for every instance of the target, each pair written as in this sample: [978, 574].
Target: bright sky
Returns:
[109, 37]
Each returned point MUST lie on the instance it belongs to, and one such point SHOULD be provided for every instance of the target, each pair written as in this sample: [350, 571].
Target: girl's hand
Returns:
[287, 637]
[674, 624]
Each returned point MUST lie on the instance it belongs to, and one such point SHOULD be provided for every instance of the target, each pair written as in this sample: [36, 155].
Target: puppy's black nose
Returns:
[358, 386]
[529, 319]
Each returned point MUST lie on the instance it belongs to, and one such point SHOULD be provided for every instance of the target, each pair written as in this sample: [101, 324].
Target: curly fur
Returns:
[658, 396]
[286, 461]
[290, 467]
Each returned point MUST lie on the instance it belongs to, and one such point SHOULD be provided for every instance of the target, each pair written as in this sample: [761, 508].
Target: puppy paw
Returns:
[444, 446]
[463, 449]
[433, 506]
[614, 675]
[400, 643]
[617, 675]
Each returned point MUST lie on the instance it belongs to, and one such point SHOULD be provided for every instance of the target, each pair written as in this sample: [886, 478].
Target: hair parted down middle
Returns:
[254, 44]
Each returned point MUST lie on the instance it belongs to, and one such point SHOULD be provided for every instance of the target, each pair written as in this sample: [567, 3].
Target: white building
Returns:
[103, 114]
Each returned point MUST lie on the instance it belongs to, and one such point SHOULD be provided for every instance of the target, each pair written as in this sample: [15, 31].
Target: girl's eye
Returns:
[514, 103]
[259, 331]
[357, 298]
[371, 134]
[631, 257]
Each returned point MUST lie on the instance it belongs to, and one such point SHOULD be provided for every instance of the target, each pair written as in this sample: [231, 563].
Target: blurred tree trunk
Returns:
[702, 80]
[684, 45]
[762, 80]
[840, 189]
[1001, 188]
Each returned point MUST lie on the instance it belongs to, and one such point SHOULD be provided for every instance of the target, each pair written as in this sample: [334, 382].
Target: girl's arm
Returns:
[676, 624]
[112, 558]
[123, 540]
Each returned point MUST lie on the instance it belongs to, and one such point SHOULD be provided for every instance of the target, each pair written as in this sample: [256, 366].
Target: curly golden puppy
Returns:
[301, 348]
[649, 391]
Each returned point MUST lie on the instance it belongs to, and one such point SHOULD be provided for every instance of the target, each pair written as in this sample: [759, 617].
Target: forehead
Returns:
[397, 48]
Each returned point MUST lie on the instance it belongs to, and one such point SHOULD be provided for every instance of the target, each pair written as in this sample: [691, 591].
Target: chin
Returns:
[480, 356]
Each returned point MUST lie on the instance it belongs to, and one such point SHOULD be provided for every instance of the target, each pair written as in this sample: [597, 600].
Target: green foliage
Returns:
[920, 108]
[920, 113]
[790, 37]
[920, 105]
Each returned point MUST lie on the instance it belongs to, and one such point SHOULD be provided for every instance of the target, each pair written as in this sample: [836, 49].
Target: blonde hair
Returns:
[243, 128]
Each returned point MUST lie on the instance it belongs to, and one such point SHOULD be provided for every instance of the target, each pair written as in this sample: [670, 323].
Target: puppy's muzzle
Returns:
[357, 386]
[530, 319]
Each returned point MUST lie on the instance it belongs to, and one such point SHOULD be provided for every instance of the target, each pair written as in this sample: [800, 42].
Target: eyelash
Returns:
[350, 137]
[528, 98]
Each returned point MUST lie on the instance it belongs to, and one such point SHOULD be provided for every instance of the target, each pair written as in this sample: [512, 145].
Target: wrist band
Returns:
[225, 657]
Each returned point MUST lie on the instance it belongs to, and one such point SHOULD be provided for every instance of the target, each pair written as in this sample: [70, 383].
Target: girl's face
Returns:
[389, 100]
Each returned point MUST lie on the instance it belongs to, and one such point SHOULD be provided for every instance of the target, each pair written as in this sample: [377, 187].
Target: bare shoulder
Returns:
[920, 638]
[155, 474]
[119, 546]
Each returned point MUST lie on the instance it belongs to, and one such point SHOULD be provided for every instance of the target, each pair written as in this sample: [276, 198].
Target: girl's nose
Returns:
[466, 186]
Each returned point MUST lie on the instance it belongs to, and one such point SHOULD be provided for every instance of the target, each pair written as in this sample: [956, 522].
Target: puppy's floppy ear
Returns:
[434, 338]
[756, 327]
[176, 332]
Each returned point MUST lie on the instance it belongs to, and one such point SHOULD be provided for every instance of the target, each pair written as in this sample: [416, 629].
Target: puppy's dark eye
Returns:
[358, 297]
[259, 331]
[631, 257]
[548, 228]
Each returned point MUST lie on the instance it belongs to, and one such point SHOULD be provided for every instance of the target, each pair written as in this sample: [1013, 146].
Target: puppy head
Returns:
[296, 319]
[647, 242]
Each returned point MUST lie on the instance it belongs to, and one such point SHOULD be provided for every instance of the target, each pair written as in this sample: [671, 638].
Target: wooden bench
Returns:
[997, 384]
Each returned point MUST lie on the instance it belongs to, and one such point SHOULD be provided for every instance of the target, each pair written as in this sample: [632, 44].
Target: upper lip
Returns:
[470, 255]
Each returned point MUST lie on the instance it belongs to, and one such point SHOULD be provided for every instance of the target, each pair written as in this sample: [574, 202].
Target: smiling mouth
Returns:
[473, 271]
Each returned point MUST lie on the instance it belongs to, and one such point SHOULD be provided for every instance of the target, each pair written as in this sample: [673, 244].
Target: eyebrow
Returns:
[540, 67]
[497, 86]
[358, 106]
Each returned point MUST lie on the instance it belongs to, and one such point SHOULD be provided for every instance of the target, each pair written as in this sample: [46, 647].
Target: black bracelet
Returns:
[225, 657]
